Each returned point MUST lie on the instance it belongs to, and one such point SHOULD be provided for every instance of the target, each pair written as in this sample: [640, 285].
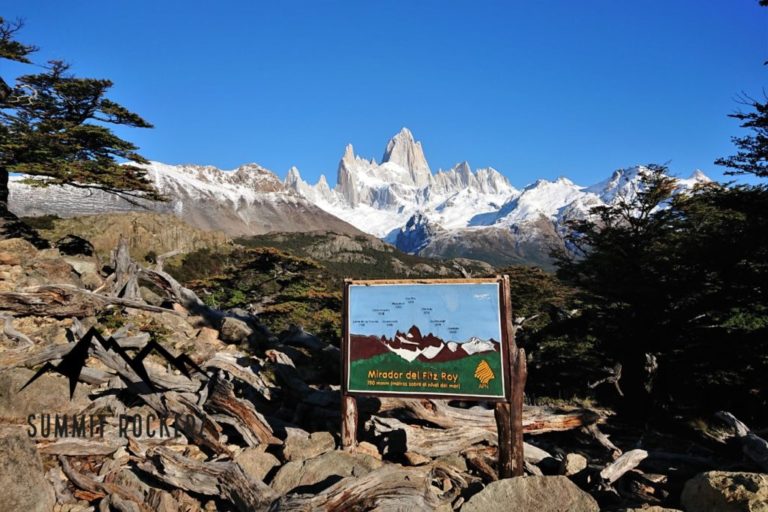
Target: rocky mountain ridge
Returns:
[457, 212]
[249, 200]
[460, 212]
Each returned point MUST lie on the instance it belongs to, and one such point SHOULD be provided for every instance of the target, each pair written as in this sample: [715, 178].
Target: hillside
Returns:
[144, 232]
[364, 256]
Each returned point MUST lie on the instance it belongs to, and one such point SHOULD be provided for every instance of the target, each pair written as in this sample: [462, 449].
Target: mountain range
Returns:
[459, 212]
[412, 346]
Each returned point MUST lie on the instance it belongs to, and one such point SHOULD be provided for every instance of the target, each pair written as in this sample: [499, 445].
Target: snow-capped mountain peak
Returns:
[404, 151]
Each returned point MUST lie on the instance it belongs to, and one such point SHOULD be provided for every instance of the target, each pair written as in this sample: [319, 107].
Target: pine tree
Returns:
[752, 155]
[53, 128]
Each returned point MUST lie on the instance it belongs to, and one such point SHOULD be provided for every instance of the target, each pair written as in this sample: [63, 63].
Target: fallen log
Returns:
[391, 487]
[232, 363]
[536, 419]
[596, 435]
[251, 425]
[431, 442]
[752, 445]
[211, 478]
[64, 301]
[628, 461]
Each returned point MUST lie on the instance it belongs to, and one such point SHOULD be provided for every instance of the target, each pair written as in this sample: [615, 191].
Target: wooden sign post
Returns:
[435, 338]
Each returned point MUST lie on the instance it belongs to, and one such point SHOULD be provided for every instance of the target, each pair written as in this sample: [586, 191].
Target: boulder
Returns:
[234, 330]
[526, 493]
[322, 471]
[256, 462]
[300, 445]
[15, 250]
[724, 491]
[573, 463]
[49, 394]
[22, 477]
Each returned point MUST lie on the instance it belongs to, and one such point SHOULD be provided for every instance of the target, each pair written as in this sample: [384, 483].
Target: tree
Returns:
[678, 280]
[752, 155]
[54, 128]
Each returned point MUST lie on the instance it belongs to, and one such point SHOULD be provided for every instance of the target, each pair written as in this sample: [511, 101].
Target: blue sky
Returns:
[453, 312]
[534, 89]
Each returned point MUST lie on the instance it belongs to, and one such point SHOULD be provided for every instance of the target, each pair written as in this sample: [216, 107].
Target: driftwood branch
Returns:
[614, 375]
[752, 445]
[620, 466]
[211, 478]
[388, 488]
[64, 301]
[536, 419]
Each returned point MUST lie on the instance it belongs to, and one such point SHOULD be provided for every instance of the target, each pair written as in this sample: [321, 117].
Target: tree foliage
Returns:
[681, 278]
[55, 127]
[752, 154]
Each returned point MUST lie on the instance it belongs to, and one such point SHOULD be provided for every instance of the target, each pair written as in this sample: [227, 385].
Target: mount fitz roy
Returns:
[455, 213]
[460, 212]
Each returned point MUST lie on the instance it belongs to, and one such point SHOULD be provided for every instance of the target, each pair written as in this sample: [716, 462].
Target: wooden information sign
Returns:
[445, 339]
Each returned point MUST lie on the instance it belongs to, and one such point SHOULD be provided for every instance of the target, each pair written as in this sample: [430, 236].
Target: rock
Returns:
[162, 501]
[22, 478]
[49, 394]
[526, 493]
[416, 459]
[256, 462]
[299, 445]
[324, 471]
[233, 330]
[455, 461]
[367, 448]
[723, 491]
[534, 454]
[207, 335]
[82, 266]
[573, 463]
[150, 297]
[91, 280]
[73, 245]
[15, 250]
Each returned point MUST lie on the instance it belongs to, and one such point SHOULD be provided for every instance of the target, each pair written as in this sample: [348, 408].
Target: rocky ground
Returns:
[258, 427]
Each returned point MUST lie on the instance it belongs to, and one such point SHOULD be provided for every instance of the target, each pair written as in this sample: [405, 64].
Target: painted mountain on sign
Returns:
[414, 346]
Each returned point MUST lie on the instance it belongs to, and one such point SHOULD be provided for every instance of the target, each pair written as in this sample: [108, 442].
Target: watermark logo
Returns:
[72, 364]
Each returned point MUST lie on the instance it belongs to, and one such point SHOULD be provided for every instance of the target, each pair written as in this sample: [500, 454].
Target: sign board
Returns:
[426, 338]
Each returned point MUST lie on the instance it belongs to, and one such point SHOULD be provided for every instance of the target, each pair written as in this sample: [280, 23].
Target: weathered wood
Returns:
[98, 489]
[160, 261]
[511, 452]
[82, 446]
[389, 488]
[198, 427]
[252, 425]
[349, 419]
[211, 478]
[63, 301]
[232, 363]
[613, 377]
[592, 431]
[482, 462]
[752, 445]
[182, 295]
[617, 469]
[432, 442]
[12, 333]
[536, 419]
[126, 284]
[506, 464]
